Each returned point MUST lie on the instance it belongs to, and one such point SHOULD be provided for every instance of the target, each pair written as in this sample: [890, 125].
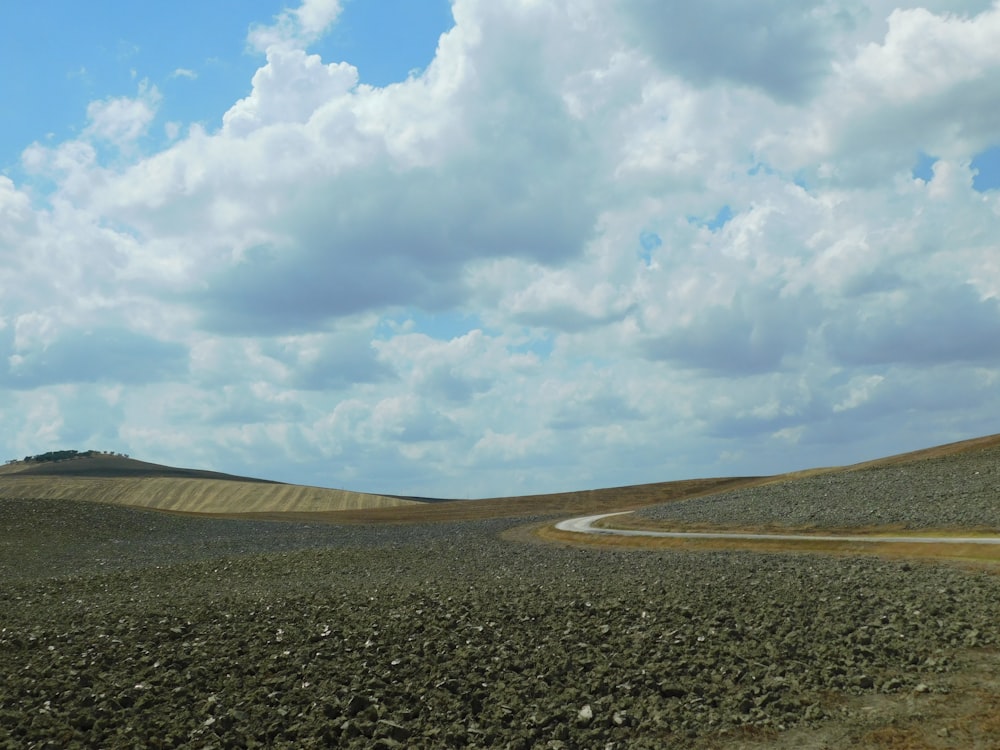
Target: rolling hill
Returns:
[126, 481]
[119, 480]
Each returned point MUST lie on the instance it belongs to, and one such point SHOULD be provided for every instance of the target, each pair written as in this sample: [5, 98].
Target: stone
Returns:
[357, 704]
[386, 728]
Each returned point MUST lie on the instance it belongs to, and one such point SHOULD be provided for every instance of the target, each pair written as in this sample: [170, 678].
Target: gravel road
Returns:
[128, 629]
[585, 525]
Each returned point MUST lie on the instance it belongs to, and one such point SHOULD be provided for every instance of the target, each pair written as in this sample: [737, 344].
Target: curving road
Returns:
[585, 525]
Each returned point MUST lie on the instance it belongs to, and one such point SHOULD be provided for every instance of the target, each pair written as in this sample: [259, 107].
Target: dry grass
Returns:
[562, 504]
[896, 738]
[973, 554]
[961, 713]
[202, 496]
[968, 720]
[125, 481]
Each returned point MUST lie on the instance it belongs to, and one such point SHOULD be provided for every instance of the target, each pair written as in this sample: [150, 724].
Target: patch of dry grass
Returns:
[561, 504]
[962, 714]
[202, 496]
[975, 729]
[965, 553]
[871, 530]
[896, 738]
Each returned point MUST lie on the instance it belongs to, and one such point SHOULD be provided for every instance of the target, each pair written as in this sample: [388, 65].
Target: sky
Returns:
[496, 247]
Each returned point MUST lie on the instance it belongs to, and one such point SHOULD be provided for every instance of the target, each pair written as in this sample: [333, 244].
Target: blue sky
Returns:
[195, 53]
[490, 247]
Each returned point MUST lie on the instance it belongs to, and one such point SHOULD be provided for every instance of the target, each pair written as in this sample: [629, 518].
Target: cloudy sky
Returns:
[495, 247]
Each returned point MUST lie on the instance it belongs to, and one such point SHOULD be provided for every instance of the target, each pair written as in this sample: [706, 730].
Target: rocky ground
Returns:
[129, 629]
[961, 492]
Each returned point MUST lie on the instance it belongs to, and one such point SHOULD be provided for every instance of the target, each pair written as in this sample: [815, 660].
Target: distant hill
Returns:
[116, 479]
[120, 480]
[115, 466]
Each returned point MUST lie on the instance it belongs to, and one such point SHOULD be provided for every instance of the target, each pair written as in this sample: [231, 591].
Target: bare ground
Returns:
[126, 628]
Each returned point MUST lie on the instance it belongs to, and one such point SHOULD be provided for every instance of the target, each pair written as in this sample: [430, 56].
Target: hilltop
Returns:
[71, 463]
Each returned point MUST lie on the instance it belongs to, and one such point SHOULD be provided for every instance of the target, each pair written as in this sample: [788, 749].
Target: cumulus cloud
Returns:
[288, 89]
[454, 370]
[589, 244]
[108, 354]
[919, 326]
[596, 409]
[924, 86]
[343, 200]
[781, 47]
[752, 333]
[321, 361]
[16, 218]
[296, 27]
[121, 120]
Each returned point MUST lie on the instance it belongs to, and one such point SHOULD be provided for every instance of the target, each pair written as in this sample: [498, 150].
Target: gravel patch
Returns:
[952, 492]
[444, 635]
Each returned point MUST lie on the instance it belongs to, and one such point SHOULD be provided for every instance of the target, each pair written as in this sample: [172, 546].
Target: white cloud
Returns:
[861, 390]
[926, 85]
[16, 218]
[115, 355]
[924, 54]
[122, 120]
[631, 243]
[781, 47]
[310, 181]
[288, 89]
[296, 27]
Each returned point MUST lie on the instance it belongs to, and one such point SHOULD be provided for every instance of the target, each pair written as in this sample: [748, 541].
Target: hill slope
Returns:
[952, 486]
[969, 465]
[126, 481]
